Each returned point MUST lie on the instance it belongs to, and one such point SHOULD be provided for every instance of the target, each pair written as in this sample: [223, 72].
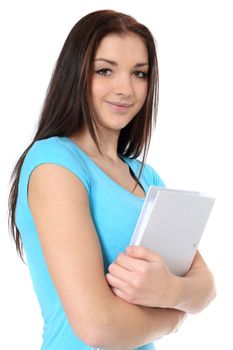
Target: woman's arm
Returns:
[141, 277]
[197, 289]
[60, 208]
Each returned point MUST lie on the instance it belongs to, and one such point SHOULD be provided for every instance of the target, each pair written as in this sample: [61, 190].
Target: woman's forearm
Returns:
[127, 326]
[194, 291]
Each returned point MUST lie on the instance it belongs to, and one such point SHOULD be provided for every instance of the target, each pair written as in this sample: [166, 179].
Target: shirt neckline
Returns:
[66, 138]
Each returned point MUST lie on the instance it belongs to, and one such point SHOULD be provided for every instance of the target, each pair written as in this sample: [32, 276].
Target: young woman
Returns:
[78, 190]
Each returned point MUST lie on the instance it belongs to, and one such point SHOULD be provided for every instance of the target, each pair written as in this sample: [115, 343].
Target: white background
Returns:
[191, 147]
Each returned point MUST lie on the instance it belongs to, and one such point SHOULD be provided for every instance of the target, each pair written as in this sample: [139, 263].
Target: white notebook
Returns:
[171, 223]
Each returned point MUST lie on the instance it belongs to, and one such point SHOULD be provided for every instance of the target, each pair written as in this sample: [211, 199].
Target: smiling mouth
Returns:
[120, 108]
[119, 104]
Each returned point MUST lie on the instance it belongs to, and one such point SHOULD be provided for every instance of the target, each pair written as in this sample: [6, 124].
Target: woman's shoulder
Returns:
[56, 150]
[53, 144]
[149, 173]
[52, 148]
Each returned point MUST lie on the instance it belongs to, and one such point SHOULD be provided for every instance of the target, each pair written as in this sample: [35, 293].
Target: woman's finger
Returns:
[129, 262]
[120, 272]
[115, 282]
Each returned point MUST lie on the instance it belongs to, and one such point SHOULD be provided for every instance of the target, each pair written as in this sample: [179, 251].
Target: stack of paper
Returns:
[171, 223]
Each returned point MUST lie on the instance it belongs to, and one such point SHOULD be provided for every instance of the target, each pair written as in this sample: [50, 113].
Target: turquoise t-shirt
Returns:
[114, 212]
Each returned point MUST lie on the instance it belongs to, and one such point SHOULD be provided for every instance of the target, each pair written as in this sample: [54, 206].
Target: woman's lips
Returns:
[118, 107]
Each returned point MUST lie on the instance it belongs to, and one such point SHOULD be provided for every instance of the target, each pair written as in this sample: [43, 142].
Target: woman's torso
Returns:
[114, 208]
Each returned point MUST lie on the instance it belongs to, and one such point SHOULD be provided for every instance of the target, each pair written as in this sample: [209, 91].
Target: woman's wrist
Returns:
[178, 287]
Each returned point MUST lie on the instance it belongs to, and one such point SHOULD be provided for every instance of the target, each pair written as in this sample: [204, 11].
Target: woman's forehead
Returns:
[115, 46]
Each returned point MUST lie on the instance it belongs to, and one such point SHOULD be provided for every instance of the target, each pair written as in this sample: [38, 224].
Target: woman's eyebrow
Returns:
[113, 63]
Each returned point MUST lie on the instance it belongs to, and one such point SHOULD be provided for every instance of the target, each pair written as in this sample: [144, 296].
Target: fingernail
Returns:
[131, 249]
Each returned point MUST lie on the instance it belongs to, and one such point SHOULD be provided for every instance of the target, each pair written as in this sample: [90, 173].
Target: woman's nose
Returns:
[123, 85]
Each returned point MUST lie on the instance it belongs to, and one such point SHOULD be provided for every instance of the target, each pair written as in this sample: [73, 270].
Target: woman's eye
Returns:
[141, 75]
[104, 71]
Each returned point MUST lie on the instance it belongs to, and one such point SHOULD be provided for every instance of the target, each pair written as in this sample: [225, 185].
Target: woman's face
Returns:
[119, 82]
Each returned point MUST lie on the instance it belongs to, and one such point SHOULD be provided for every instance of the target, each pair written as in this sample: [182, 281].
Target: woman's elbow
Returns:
[93, 333]
[208, 295]
[213, 290]
[92, 336]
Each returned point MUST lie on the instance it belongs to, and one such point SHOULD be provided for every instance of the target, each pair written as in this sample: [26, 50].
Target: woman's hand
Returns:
[141, 277]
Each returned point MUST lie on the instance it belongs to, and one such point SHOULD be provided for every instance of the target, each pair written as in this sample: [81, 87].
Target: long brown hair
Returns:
[67, 105]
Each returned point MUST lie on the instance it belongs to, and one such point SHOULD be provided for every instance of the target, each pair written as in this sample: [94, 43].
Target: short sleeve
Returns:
[51, 150]
[150, 175]
[156, 179]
